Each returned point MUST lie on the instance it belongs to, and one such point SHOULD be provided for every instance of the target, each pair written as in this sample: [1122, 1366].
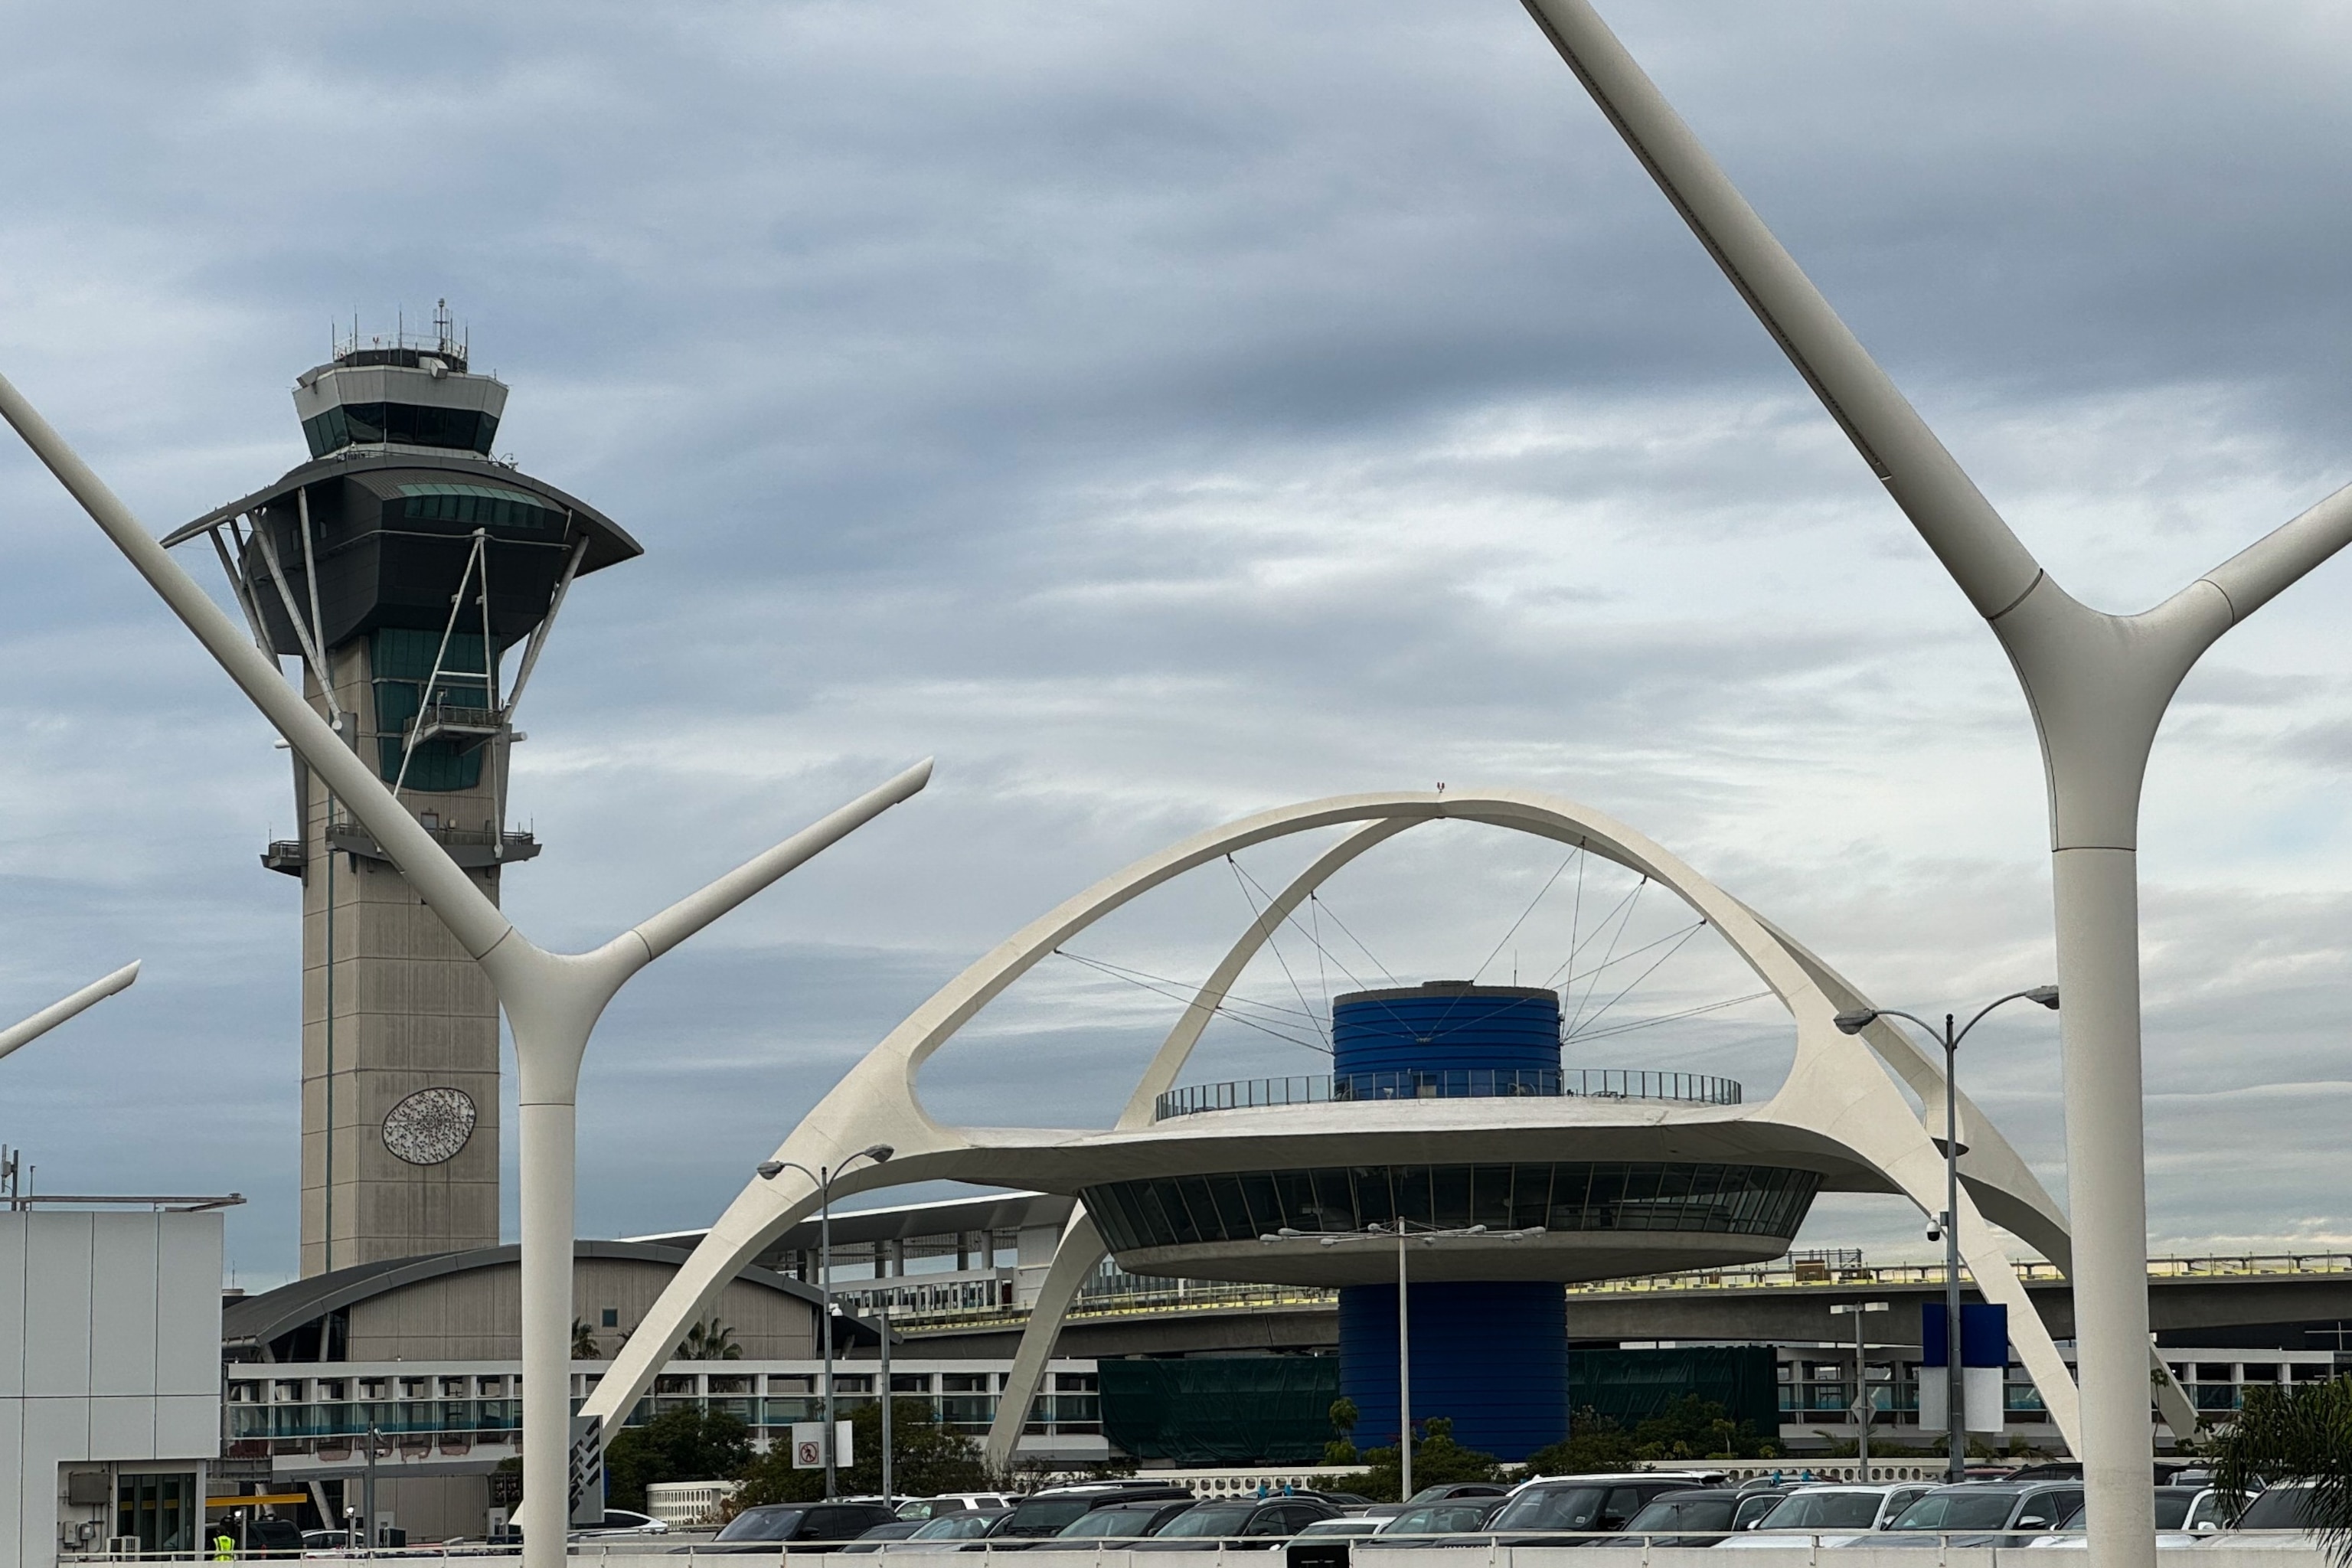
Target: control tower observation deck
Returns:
[402, 565]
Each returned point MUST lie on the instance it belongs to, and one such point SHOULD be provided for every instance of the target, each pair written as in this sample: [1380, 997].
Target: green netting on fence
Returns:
[1223, 1410]
[1632, 1385]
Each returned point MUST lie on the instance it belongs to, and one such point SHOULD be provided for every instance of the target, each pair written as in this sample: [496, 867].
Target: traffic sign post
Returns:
[1861, 1409]
[808, 1445]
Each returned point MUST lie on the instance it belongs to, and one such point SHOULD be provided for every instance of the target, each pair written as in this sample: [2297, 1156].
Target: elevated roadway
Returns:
[2295, 1301]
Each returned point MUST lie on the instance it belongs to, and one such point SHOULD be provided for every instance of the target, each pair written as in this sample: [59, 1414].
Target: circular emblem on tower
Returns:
[431, 1126]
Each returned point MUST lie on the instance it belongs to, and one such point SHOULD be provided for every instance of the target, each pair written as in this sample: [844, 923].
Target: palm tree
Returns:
[584, 1341]
[2302, 1434]
[713, 1340]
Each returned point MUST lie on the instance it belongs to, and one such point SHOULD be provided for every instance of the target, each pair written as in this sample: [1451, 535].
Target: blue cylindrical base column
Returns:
[1493, 1357]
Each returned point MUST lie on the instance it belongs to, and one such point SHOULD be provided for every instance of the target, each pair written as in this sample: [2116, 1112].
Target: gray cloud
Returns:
[1160, 414]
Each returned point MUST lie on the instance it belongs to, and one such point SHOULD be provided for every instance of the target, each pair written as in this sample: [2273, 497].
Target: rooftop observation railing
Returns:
[1468, 1083]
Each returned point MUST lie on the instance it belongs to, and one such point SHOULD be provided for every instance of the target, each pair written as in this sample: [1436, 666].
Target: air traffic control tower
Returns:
[403, 565]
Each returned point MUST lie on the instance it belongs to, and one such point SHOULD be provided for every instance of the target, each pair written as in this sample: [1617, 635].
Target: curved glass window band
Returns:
[1193, 1211]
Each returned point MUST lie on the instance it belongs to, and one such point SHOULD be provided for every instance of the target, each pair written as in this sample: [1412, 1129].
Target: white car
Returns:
[621, 1521]
[2176, 1517]
[954, 1502]
[1347, 1524]
[1838, 1515]
[2273, 1521]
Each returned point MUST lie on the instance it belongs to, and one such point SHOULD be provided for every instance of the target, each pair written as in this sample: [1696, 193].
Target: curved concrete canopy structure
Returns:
[1840, 1113]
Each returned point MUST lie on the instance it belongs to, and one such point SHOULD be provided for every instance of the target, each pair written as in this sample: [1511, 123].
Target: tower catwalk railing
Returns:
[1451, 1083]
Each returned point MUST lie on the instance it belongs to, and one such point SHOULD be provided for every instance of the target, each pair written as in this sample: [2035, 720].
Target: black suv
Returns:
[1242, 1523]
[809, 1526]
[1049, 1512]
[1580, 1507]
[1119, 1522]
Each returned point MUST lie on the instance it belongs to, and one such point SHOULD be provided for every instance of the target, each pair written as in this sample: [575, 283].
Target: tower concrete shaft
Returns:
[393, 1008]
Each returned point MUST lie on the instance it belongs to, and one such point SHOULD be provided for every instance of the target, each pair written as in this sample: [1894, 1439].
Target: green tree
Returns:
[584, 1341]
[713, 1340]
[2299, 1434]
[1689, 1429]
[927, 1458]
[1436, 1459]
[1341, 1449]
[684, 1445]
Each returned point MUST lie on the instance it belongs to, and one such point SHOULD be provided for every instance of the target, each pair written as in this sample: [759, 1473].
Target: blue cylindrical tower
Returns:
[1490, 1355]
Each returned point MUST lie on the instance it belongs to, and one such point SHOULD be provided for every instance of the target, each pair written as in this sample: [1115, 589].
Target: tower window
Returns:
[409, 424]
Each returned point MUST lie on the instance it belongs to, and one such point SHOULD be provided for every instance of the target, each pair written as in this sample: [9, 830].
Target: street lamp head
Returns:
[770, 1168]
[2045, 995]
[877, 1152]
[1856, 1020]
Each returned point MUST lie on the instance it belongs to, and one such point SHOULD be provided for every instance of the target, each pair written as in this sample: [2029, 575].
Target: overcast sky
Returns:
[1160, 413]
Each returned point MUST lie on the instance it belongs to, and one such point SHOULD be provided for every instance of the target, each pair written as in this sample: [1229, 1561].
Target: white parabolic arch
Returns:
[1835, 1088]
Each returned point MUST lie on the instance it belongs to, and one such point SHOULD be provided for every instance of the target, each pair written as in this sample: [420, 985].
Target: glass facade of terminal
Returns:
[1603, 1195]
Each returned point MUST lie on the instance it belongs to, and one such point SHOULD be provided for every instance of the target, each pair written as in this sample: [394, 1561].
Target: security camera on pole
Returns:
[1947, 1224]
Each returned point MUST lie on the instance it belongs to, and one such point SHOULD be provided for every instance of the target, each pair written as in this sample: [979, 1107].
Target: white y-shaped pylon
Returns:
[2099, 685]
[56, 1013]
[552, 1000]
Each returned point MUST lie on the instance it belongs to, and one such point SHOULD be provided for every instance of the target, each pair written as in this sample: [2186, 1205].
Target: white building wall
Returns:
[110, 1352]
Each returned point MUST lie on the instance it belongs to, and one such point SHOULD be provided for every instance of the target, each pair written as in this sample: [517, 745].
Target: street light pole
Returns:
[1401, 1232]
[1956, 1437]
[1404, 1376]
[822, 1176]
[1861, 1408]
[889, 1499]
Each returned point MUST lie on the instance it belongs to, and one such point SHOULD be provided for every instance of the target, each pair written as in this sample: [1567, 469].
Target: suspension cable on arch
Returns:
[1673, 1017]
[1181, 996]
[1552, 981]
[1643, 976]
[1128, 972]
[1608, 953]
[1258, 917]
[1526, 912]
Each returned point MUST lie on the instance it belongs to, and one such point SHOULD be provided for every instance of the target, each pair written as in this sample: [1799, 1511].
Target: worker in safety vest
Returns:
[224, 1546]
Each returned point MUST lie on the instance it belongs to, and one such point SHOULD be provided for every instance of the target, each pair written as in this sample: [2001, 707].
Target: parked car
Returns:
[1243, 1525]
[1695, 1516]
[1984, 1513]
[954, 1502]
[1047, 1512]
[1456, 1523]
[275, 1537]
[2213, 1510]
[2172, 1505]
[891, 1531]
[620, 1521]
[1120, 1521]
[2277, 1519]
[950, 1531]
[1446, 1491]
[1578, 1508]
[807, 1526]
[1347, 1525]
[1835, 1515]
